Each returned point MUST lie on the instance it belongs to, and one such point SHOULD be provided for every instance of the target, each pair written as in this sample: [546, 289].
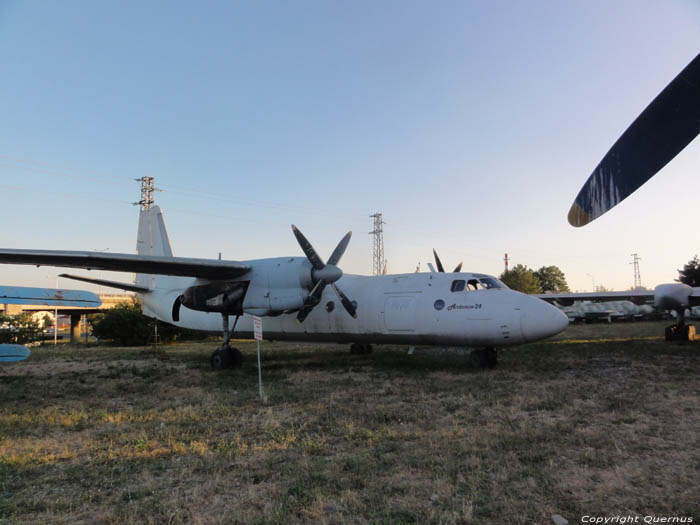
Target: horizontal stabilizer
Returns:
[10, 353]
[104, 282]
[125, 262]
[48, 296]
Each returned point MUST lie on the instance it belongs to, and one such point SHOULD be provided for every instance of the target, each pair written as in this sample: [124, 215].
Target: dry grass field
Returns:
[603, 420]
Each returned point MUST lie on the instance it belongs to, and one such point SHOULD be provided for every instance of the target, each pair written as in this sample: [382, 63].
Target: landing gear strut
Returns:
[226, 357]
[484, 357]
[680, 331]
[360, 349]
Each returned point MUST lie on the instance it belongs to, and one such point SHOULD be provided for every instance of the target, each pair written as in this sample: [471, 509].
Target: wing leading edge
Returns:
[48, 296]
[124, 262]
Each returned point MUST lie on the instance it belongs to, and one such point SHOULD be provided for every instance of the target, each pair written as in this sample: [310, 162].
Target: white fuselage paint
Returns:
[393, 309]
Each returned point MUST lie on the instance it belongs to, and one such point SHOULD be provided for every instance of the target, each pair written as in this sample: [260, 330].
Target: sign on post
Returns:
[257, 331]
[257, 328]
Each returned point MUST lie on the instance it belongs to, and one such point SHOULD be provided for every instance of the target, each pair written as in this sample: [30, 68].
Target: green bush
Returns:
[125, 325]
[19, 329]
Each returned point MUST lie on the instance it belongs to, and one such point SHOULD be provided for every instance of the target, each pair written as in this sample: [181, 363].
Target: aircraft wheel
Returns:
[233, 357]
[491, 357]
[477, 359]
[367, 349]
[355, 349]
[217, 360]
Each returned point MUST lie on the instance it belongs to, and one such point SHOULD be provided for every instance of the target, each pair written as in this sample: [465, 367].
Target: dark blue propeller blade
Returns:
[664, 128]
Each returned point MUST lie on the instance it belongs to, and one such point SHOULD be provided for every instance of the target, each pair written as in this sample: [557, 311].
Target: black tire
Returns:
[476, 359]
[355, 349]
[234, 358]
[491, 357]
[367, 349]
[217, 360]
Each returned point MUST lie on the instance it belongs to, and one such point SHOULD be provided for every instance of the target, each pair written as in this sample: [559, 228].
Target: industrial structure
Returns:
[378, 261]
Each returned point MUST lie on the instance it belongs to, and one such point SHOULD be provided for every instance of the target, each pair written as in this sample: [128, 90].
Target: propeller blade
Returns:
[347, 304]
[437, 262]
[176, 308]
[311, 301]
[308, 250]
[339, 250]
[458, 268]
[659, 133]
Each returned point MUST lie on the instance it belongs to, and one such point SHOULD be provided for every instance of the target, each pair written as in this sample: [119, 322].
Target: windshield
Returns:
[476, 283]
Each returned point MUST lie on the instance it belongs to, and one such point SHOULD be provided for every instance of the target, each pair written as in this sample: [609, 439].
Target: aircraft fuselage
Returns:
[413, 309]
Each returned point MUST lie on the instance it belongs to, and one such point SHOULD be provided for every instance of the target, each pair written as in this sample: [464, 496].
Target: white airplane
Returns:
[292, 293]
[667, 125]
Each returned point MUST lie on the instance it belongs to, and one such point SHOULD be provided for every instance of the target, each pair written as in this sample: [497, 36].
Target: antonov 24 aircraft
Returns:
[292, 293]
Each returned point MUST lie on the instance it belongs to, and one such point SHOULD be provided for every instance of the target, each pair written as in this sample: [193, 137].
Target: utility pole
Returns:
[378, 261]
[637, 276]
[506, 260]
[147, 190]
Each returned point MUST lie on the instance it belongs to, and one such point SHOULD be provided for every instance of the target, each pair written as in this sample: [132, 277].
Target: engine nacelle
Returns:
[278, 285]
[672, 296]
[218, 296]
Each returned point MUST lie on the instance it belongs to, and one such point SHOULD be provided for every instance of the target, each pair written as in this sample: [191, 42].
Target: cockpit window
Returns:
[457, 285]
[473, 284]
[489, 283]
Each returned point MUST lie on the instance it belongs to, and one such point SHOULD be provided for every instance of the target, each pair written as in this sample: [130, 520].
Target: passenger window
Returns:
[457, 285]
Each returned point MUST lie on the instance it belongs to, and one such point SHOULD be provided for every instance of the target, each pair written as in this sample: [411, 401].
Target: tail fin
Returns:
[153, 240]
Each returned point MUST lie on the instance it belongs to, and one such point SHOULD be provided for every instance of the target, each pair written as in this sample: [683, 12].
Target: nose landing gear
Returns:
[484, 357]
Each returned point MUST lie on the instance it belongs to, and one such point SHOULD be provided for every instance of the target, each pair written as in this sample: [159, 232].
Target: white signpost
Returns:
[258, 332]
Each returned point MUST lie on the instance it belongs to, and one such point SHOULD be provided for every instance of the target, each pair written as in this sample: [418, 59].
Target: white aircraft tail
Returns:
[153, 240]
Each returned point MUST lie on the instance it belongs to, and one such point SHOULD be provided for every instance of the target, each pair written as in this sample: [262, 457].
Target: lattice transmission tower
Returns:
[637, 276]
[147, 191]
[378, 261]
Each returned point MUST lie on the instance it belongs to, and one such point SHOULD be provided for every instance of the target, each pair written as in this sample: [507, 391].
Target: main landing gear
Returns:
[680, 331]
[360, 349]
[484, 357]
[226, 357]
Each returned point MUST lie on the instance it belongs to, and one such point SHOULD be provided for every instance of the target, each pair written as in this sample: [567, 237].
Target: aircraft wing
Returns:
[637, 297]
[48, 296]
[124, 262]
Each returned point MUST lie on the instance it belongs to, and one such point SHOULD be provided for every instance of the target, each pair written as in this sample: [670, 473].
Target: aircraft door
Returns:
[400, 313]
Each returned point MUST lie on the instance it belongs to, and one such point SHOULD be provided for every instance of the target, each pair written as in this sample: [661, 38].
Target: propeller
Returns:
[176, 308]
[323, 275]
[440, 267]
[659, 133]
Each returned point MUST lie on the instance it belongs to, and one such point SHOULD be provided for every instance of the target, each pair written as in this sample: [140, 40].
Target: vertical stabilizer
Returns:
[153, 240]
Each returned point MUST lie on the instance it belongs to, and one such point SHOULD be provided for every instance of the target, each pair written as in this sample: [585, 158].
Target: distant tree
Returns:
[19, 329]
[126, 325]
[690, 274]
[552, 279]
[47, 321]
[522, 279]
[602, 288]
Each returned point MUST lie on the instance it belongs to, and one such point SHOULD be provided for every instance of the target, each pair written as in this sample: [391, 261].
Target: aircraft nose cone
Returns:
[539, 319]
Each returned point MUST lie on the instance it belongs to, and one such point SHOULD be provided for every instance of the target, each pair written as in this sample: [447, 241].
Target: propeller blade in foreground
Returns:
[663, 129]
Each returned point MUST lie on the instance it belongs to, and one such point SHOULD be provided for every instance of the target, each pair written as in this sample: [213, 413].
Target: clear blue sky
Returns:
[470, 125]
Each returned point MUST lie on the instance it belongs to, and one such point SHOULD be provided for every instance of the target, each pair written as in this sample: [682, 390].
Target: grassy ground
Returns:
[603, 420]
